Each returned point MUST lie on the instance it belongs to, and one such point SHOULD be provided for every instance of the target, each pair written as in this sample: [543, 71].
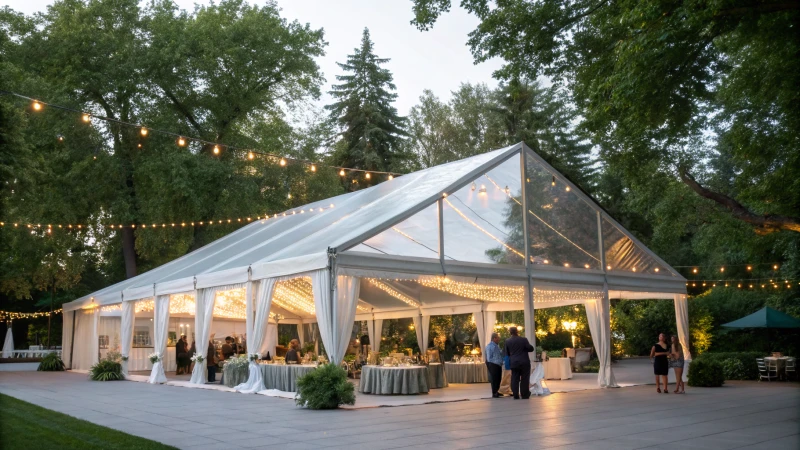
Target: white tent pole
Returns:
[528, 307]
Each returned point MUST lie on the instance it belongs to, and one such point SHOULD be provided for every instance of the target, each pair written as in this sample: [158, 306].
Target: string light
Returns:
[283, 162]
[181, 142]
[37, 106]
[391, 177]
[250, 155]
[86, 118]
[341, 173]
[367, 176]
[483, 292]
[216, 150]
[394, 293]
[13, 315]
[143, 131]
[314, 168]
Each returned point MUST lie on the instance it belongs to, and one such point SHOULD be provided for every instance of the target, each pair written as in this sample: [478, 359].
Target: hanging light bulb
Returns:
[657, 269]
[507, 190]
[341, 173]
[722, 269]
[749, 267]
[290, 196]
[250, 155]
[553, 182]
[60, 138]
[216, 150]
[368, 176]
[608, 267]
[313, 168]
[483, 189]
[391, 177]
[567, 188]
[473, 186]
[775, 267]
[143, 131]
[283, 162]
[585, 266]
[86, 117]
[139, 145]
[37, 106]
[181, 141]
[694, 270]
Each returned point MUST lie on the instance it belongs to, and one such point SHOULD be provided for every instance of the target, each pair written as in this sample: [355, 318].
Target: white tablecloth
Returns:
[466, 372]
[557, 369]
[394, 380]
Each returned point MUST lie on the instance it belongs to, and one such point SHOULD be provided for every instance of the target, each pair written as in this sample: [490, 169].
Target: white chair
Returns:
[763, 370]
[790, 368]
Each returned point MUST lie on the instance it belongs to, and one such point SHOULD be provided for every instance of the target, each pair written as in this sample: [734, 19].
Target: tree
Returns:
[679, 84]
[371, 131]
[222, 73]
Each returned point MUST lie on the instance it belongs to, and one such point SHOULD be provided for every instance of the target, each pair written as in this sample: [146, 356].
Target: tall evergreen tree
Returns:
[371, 131]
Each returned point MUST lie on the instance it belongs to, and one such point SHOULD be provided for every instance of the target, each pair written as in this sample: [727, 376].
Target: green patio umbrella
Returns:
[765, 317]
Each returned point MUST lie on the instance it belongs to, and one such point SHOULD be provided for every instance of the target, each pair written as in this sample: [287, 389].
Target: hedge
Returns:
[706, 373]
[748, 370]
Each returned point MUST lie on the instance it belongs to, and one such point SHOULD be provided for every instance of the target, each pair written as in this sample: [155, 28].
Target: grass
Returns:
[27, 426]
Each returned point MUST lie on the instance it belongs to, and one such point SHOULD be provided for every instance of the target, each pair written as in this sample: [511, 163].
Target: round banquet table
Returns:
[437, 378]
[557, 369]
[283, 377]
[466, 372]
[780, 363]
[394, 380]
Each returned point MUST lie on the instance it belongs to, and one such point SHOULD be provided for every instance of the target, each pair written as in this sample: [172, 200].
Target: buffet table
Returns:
[557, 369]
[466, 372]
[437, 378]
[394, 380]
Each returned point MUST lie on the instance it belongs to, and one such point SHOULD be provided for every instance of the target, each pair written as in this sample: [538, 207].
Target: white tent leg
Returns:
[682, 323]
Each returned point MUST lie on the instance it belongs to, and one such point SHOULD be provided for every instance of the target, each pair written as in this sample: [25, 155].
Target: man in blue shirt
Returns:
[494, 364]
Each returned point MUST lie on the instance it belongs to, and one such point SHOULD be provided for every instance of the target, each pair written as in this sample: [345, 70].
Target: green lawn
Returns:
[27, 426]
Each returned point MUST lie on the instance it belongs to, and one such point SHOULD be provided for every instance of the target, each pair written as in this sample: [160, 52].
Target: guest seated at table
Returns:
[293, 355]
[227, 348]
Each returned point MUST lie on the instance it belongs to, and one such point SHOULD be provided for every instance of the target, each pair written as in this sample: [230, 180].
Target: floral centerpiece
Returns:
[254, 356]
[197, 359]
[124, 357]
[154, 357]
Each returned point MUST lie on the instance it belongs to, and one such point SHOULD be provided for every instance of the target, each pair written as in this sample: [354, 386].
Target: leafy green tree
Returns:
[667, 85]
[371, 131]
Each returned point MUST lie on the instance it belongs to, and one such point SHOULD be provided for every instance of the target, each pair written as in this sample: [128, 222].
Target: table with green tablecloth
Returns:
[466, 372]
[437, 378]
[284, 377]
[394, 380]
[234, 375]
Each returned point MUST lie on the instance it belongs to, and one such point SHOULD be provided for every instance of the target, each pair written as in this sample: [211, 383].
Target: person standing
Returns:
[517, 349]
[659, 355]
[181, 356]
[211, 362]
[227, 348]
[293, 355]
[676, 362]
[494, 364]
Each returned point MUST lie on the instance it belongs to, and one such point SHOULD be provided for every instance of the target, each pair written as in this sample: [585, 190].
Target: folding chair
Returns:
[763, 371]
[790, 368]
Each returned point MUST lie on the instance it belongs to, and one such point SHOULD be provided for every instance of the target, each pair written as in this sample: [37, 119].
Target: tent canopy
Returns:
[474, 221]
[765, 317]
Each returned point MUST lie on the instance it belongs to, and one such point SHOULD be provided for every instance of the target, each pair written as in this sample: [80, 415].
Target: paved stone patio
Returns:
[740, 415]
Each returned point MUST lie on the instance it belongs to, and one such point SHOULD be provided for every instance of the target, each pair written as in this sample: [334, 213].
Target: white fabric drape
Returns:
[418, 331]
[86, 351]
[66, 338]
[682, 322]
[335, 316]
[161, 328]
[300, 334]
[375, 332]
[204, 313]
[598, 315]
[257, 320]
[480, 330]
[489, 318]
[424, 332]
[270, 340]
[8, 343]
[126, 332]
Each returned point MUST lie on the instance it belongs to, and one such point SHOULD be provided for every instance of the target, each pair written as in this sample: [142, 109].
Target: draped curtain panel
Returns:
[300, 336]
[335, 316]
[8, 344]
[257, 321]
[66, 338]
[480, 329]
[598, 315]
[85, 352]
[126, 332]
[418, 330]
[161, 328]
[270, 340]
[682, 322]
[426, 329]
[375, 332]
[489, 318]
[204, 312]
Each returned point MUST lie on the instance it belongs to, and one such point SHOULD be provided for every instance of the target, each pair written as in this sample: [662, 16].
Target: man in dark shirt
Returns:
[517, 349]
[227, 348]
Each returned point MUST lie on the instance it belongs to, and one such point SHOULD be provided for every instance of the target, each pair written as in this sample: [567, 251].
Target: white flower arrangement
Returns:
[123, 357]
[254, 356]
[154, 357]
[197, 359]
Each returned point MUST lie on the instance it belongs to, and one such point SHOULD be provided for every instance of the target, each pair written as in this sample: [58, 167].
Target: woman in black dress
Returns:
[659, 354]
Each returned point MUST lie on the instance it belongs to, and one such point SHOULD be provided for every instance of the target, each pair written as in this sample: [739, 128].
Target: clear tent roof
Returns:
[482, 223]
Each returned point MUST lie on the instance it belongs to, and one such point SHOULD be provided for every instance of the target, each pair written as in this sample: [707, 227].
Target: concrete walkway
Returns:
[740, 415]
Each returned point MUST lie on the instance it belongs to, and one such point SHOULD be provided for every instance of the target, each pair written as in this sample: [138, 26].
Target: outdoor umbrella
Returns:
[765, 317]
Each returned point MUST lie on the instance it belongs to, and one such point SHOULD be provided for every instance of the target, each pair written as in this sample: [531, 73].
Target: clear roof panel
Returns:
[624, 255]
[416, 236]
[483, 220]
[562, 228]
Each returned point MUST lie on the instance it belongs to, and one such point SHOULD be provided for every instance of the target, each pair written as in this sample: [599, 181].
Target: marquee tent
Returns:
[494, 232]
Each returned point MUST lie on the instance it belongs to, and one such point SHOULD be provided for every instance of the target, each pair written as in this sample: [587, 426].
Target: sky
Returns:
[438, 60]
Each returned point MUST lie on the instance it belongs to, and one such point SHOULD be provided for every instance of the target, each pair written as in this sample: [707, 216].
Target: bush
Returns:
[553, 353]
[593, 366]
[749, 369]
[704, 373]
[325, 388]
[106, 370]
[733, 369]
[51, 363]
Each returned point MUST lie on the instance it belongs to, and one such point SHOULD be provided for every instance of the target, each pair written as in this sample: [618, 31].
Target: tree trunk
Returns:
[129, 252]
